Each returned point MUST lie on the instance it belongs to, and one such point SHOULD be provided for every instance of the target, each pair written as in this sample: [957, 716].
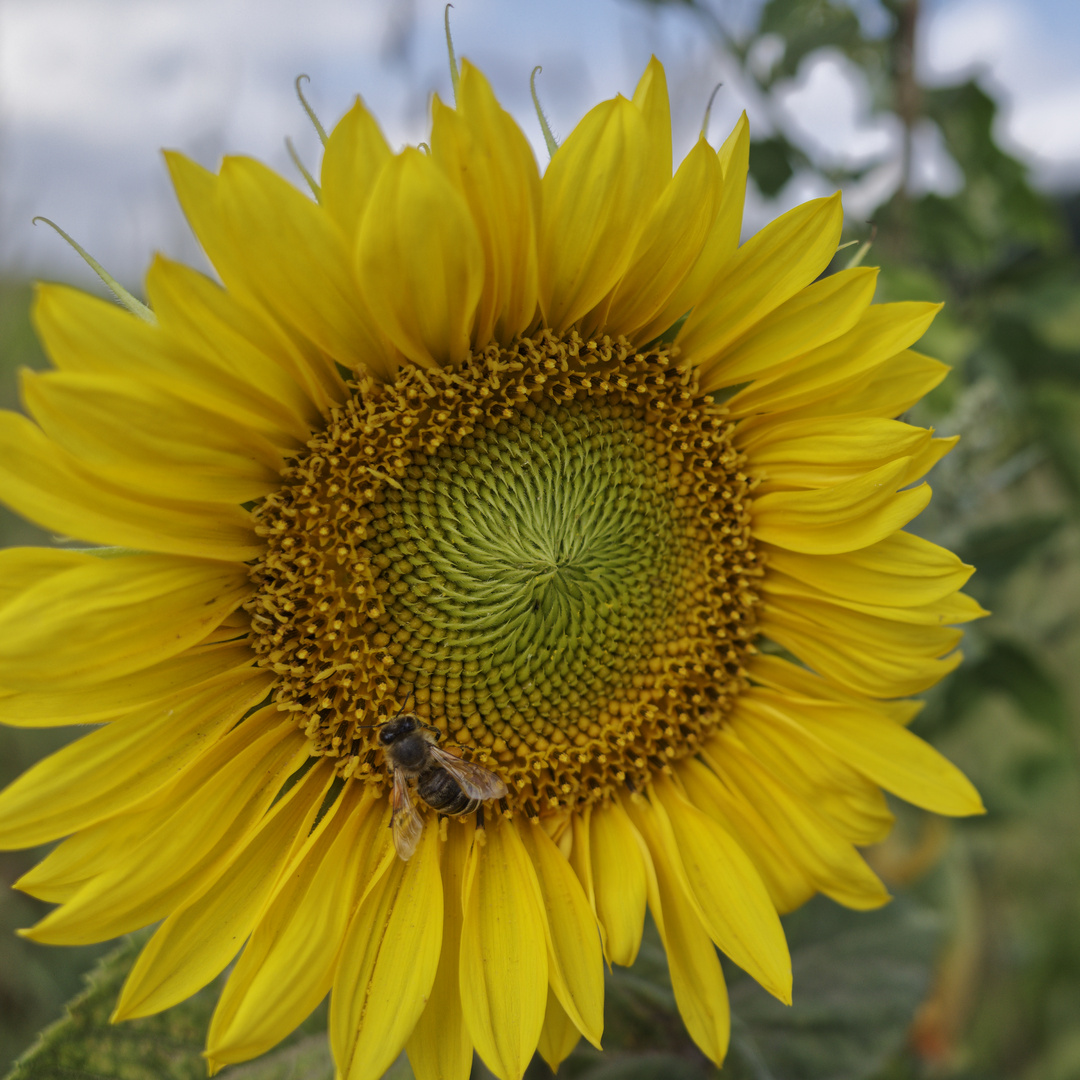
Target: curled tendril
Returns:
[862, 250]
[455, 75]
[315, 189]
[545, 127]
[136, 307]
[309, 110]
[708, 110]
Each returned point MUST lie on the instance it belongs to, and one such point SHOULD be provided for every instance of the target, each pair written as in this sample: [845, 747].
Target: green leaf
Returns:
[770, 165]
[1058, 410]
[1029, 356]
[1014, 671]
[997, 550]
[808, 25]
[1002, 667]
[859, 977]
[85, 1046]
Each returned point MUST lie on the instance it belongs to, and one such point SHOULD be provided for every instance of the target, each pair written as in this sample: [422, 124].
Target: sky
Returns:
[91, 90]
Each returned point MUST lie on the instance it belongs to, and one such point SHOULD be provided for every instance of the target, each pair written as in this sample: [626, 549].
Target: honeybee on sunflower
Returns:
[552, 455]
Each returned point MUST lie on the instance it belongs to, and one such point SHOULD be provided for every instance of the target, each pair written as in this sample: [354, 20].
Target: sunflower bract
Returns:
[453, 440]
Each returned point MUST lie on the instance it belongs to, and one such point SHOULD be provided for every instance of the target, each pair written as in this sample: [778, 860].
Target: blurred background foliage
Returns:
[974, 972]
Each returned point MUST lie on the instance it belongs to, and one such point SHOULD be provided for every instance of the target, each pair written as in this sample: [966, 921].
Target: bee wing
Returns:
[405, 821]
[476, 781]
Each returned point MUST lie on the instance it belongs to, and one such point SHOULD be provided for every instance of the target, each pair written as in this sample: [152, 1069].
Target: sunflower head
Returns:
[614, 503]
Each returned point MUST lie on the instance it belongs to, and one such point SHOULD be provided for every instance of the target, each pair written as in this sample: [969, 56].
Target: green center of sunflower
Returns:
[544, 552]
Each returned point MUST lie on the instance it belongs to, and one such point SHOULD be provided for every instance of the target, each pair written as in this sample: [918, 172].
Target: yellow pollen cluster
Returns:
[545, 551]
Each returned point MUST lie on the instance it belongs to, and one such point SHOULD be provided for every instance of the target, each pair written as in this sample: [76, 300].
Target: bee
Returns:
[445, 782]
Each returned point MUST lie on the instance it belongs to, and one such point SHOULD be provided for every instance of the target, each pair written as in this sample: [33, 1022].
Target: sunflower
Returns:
[612, 504]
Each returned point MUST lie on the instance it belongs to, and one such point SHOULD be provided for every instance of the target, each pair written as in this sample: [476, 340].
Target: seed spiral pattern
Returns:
[547, 548]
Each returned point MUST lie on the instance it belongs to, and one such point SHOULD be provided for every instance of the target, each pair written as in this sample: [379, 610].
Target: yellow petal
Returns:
[767, 270]
[197, 941]
[844, 798]
[439, 1047]
[618, 872]
[888, 390]
[929, 456]
[696, 976]
[111, 617]
[788, 884]
[108, 770]
[388, 964]
[581, 855]
[79, 858]
[299, 264]
[882, 331]
[818, 314]
[117, 697]
[789, 678]
[651, 97]
[721, 240]
[948, 611]
[575, 959]
[490, 161]
[871, 656]
[355, 154]
[846, 517]
[669, 245]
[734, 158]
[901, 569]
[86, 335]
[169, 445]
[739, 916]
[199, 193]
[204, 824]
[558, 1036]
[42, 482]
[288, 965]
[201, 196]
[504, 968]
[832, 863]
[822, 453]
[247, 358]
[420, 261]
[887, 753]
[598, 192]
[23, 567]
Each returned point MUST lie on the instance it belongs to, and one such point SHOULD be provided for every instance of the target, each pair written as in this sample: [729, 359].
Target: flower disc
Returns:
[547, 547]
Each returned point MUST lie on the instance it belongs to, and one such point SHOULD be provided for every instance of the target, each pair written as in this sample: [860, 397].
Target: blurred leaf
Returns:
[1014, 671]
[997, 550]
[639, 1066]
[1028, 355]
[1004, 667]
[1032, 773]
[1057, 408]
[859, 977]
[997, 209]
[85, 1045]
[769, 165]
[808, 25]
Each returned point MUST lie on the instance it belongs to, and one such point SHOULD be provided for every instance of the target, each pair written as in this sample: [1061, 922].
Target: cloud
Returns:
[1014, 53]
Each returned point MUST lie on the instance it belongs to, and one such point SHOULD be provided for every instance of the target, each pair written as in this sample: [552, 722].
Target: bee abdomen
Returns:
[443, 793]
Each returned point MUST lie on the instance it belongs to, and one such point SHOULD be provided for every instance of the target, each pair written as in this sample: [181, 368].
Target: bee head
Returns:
[398, 728]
